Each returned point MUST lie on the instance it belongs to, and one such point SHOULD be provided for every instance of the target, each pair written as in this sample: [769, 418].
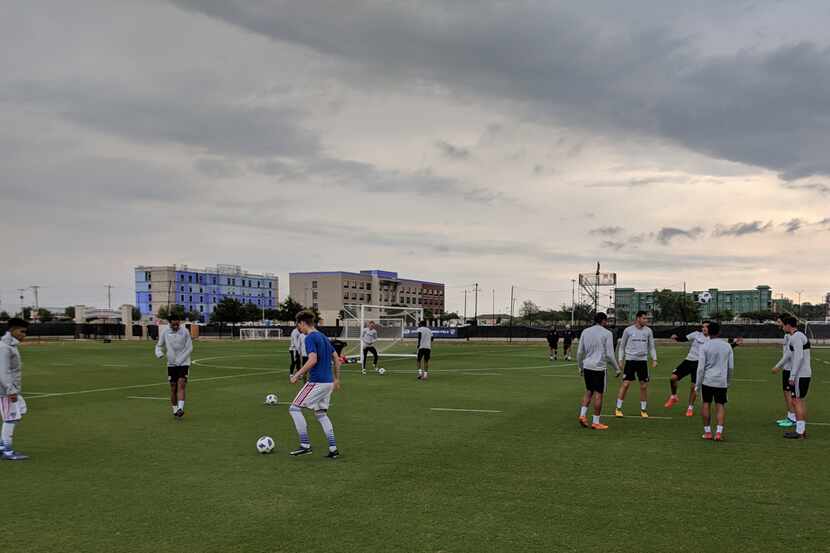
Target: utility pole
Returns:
[35, 289]
[799, 292]
[109, 295]
[573, 300]
[475, 309]
[494, 306]
[21, 290]
[465, 306]
[510, 336]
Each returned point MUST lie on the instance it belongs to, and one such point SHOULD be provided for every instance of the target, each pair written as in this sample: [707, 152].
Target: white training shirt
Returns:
[798, 355]
[636, 344]
[596, 349]
[785, 362]
[369, 336]
[178, 344]
[716, 364]
[424, 338]
[697, 340]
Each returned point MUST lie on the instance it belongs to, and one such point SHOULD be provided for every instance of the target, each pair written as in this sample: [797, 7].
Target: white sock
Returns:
[674, 396]
[643, 405]
[801, 427]
[583, 411]
[301, 425]
[596, 419]
[691, 407]
[791, 416]
[181, 404]
[719, 429]
[707, 429]
[619, 404]
[175, 408]
[7, 435]
[328, 429]
[420, 372]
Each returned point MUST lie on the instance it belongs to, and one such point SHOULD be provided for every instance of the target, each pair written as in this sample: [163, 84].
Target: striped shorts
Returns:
[12, 411]
[314, 395]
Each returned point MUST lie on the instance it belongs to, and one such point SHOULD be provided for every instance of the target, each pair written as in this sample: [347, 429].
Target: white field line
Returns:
[464, 410]
[145, 397]
[481, 374]
[135, 386]
[115, 365]
[611, 416]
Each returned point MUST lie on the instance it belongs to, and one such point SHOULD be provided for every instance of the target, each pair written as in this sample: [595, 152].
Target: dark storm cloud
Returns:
[742, 229]
[769, 108]
[451, 151]
[793, 225]
[666, 234]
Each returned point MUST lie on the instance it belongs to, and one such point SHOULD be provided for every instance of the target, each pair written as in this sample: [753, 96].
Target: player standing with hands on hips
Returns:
[176, 340]
[12, 404]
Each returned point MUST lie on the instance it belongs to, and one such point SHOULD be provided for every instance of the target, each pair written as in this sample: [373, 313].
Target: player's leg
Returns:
[174, 394]
[374, 357]
[799, 393]
[790, 420]
[690, 410]
[9, 411]
[418, 364]
[720, 414]
[427, 357]
[644, 377]
[628, 377]
[675, 378]
[363, 368]
[180, 395]
[583, 406]
[706, 415]
[328, 429]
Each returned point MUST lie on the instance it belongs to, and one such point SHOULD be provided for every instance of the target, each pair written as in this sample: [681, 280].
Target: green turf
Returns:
[110, 473]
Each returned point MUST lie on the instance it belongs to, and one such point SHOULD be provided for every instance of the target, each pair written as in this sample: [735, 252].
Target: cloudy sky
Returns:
[505, 143]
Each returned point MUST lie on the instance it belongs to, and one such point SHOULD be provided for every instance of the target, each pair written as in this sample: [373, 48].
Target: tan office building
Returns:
[329, 292]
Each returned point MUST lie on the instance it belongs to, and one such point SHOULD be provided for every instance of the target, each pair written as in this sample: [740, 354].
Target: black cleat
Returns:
[300, 451]
[333, 454]
[179, 414]
[793, 436]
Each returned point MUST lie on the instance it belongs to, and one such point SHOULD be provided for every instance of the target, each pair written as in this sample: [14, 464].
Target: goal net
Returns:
[818, 332]
[390, 322]
[260, 333]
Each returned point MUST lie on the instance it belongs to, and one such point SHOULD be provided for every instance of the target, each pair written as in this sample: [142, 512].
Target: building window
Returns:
[368, 285]
[149, 297]
[369, 298]
[148, 275]
[182, 299]
[314, 295]
[313, 284]
[201, 309]
[354, 284]
[362, 286]
[150, 307]
[149, 286]
[362, 297]
[345, 284]
[354, 295]
[316, 306]
[345, 295]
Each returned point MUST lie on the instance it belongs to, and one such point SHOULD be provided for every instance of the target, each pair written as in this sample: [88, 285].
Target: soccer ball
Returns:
[265, 444]
[381, 371]
[272, 399]
[704, 297]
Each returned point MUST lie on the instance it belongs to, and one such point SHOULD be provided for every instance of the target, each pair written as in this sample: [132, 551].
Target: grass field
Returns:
[112, 472]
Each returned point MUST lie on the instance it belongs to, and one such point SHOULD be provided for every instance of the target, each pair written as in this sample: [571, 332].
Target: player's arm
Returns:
[580, 356]
[6, 375]
[622, 346]
[336, 360]
[797, 348]
[785, 359]
[652, 348]
[701, 364]
[188, 349]
[162, 343]
[609, 354]
[310, 364]
[730, 368]
[677, 338]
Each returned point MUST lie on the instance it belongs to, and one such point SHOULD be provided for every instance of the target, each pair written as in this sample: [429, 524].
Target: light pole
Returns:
[573, 300]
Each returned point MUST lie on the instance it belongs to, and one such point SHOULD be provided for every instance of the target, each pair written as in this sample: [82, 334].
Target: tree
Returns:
[672, 306]
[175, 312]
[251, 312]
[228, 310]
[4, 316]
[26, 314]
[288, 309]
[723, 315]
[44, 315]
[583, 312]
[272, 314]
[428, 315]
[69, 312]
[136, 313]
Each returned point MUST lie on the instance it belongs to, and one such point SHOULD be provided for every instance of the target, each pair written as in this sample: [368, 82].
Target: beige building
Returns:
[329, 292]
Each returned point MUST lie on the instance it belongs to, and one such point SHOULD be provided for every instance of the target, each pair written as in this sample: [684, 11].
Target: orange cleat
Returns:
[707, 436]
[671, 402]
[599, 426]
[690, 412]
[718, 437]
[584, 422]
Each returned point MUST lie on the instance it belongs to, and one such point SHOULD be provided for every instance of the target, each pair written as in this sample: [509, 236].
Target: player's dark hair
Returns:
[706, 323]
[422, 323]
[714, 328]
[789, 320]
[306, 317]
[780, 317]
[16, 322]
[600, 317]
[640, 314]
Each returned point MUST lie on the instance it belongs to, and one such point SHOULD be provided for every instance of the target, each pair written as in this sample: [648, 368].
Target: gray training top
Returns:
[637, 344]
[596, 349]
[716, 364]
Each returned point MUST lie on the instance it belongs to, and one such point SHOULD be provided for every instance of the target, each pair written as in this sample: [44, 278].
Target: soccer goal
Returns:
[818, 332]
[260, 333]
[391, 324]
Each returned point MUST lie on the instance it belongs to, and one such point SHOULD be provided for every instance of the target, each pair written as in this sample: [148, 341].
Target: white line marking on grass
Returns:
[61, 364]
[465, 373]
[464, 410]
[134, 386]
[145, 397]
[115, 365]
[612, 416]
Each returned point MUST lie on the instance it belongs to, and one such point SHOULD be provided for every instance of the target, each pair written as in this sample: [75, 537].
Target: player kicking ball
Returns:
[323, 367]
[801, 371]
[595, 351]
[176, 340]
[688, 367]
[12, 404]
[636, 345]
[368, 337]
[714, 375]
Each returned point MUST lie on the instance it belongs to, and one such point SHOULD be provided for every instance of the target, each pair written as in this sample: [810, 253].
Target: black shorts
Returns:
[176, 373]
[686, 368]
[594, 381]
[717, 394]
[424, 354]
[553, 343]
[785, 380]
[566, 344]
[638, 369]
[372, 350]
[799, 391]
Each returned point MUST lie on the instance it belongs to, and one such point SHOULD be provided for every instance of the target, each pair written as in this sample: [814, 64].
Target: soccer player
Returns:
[12, 404]
[567, 339]
[323, 366]
[783, 366]
[367, 342]
[636, 345]
[595, 351]
[688, 366]
[294, 350]
[424, 349]
[176, 340]
[553, 342]
[801, 372]
[715, 367]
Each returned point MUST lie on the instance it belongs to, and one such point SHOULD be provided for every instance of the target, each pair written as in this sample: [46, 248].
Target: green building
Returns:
[627, 301]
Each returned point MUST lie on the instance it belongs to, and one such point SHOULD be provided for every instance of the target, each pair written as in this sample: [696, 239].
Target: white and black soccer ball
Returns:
[265, 444]
[272, 399]
[381, 371]
[704, 297]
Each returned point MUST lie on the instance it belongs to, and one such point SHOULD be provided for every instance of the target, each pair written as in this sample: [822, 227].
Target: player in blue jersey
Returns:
[323, 367]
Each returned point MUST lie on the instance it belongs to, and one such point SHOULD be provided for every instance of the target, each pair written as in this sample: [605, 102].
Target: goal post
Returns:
[391, 323]
[260, 333]
[818, 332]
